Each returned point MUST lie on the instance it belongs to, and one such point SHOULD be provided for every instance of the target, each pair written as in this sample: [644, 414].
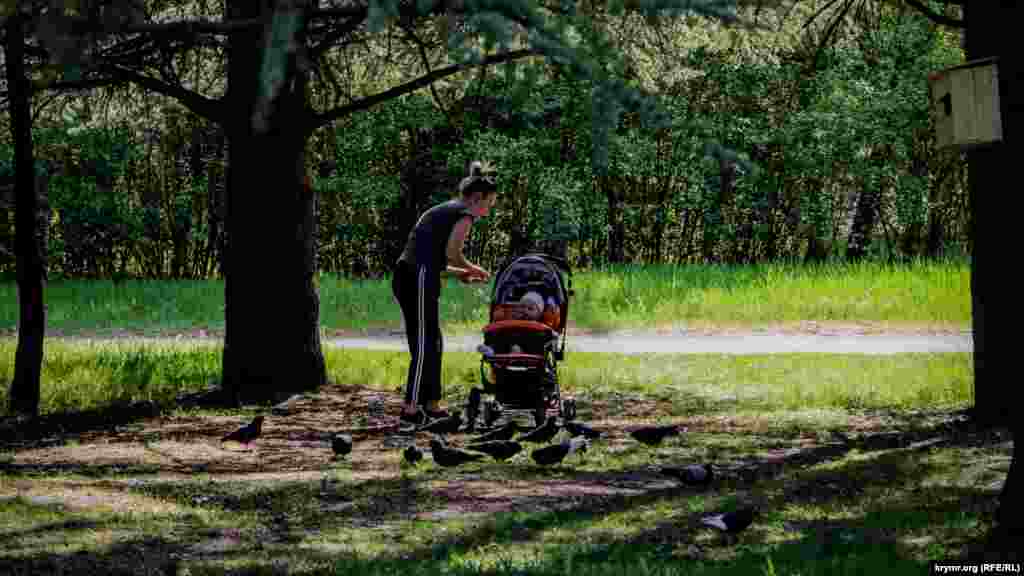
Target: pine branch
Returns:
[320, 119]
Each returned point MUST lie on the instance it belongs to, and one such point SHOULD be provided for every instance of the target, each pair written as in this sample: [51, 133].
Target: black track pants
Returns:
[418, 291]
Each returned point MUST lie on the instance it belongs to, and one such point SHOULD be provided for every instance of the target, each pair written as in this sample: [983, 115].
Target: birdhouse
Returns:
[965, 104]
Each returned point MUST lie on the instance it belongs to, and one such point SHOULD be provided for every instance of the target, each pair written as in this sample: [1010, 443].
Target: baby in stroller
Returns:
[521, 349]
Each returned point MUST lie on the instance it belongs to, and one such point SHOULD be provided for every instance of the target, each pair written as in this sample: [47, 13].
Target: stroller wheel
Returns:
[569, 408]
[540, 413]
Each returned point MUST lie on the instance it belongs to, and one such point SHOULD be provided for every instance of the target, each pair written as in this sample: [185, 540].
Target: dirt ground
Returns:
[295, 445]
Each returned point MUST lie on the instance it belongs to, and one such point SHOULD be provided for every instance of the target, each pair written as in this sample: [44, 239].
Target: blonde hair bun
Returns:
[481, 178]
[480, 168]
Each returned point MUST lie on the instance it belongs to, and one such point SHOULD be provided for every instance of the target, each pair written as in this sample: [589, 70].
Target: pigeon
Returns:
[491, 416]
[341, 444]
[412, 454]
[577, 429]
[472, 409]
[731, 522]
[557, 452]
[692, 475]
[498, 449]
[541, 434]
[247, 433]
[841, 437]
[449, 425]
[506, 432]
[446, 456]
[653, 435]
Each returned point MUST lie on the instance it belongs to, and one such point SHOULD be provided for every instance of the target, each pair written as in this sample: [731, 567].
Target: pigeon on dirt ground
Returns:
[247, 433]
[449, 425]
[341, 444]
[653, 435]
[497, 449]
[577, 429]
[692, 475]
[731, 522]
[412, 454]
[473, 408]
[541, 434]
[506, 432]
[446, 456]
[555, 453]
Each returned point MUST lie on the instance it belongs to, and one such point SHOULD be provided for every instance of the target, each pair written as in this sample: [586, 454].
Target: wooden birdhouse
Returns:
[965, 104]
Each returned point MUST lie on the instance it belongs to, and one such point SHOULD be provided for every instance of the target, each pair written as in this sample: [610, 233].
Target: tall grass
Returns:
[89, 375]
[86, 376]
[924, 292]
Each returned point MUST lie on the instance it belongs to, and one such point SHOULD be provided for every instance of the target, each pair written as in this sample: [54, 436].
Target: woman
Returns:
[435, 247]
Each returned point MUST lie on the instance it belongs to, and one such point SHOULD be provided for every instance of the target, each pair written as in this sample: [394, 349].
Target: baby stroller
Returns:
[521, 349]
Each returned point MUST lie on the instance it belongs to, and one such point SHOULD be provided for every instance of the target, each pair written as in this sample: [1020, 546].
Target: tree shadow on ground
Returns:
[56, 428]
[136, 557]
[288, 511]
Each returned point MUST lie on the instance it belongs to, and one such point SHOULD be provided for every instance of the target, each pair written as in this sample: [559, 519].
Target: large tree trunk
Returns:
[991, 32]
[28, 359]
[272, 343]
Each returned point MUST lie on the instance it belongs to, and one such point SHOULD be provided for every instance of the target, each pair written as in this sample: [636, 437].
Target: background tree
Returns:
[988, 32]
[30, 251]
[264, 106]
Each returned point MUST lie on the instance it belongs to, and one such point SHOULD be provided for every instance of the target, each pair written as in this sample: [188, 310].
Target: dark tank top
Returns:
[427, 244]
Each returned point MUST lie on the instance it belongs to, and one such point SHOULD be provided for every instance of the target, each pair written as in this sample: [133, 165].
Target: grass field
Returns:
[89, 376]
[159, 494]
[931, 294]
[858, 462]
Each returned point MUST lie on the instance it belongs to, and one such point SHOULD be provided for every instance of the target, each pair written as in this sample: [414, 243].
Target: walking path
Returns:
[750, 343]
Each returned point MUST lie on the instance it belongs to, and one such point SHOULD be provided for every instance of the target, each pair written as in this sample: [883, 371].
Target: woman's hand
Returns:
[471, 276]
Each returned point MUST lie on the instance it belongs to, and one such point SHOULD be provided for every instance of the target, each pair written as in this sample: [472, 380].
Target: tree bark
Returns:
[616, 224]
[991, 213]
[30, 255]
[991, 32]
[272, 342]
[863, 222]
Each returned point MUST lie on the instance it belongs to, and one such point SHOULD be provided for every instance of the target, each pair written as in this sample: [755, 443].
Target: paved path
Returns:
[759, 343]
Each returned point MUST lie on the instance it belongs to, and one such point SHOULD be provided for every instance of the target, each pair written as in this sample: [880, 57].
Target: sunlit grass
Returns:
[89, 375]
[925, 293]
[883, 510]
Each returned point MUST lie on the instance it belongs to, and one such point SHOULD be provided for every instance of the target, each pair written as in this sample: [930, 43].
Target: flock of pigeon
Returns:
[499, 444]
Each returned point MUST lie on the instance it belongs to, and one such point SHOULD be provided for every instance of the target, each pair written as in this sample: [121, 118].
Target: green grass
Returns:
[91, 375]
[922, 293]
[862, 510]
[918, 293]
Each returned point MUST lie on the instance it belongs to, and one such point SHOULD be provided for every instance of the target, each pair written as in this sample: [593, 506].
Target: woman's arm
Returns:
[456, 260]
[453, 271]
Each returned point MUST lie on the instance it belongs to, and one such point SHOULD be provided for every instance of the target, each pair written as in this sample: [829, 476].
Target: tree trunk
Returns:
[991, 32]
[616, 224]
[31, 264]
[868, 203]
[272, 342]
[936, 223]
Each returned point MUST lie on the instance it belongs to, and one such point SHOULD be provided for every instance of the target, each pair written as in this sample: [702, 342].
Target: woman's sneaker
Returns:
[431, 415]
[411, 422]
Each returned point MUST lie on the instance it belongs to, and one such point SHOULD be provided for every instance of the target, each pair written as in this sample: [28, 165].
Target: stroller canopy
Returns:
[531, 272]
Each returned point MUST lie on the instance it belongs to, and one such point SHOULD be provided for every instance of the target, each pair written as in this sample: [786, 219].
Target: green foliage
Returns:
[585, 157]
[92, 224]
